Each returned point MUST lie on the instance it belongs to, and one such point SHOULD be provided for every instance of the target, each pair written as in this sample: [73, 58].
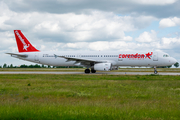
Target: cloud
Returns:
[170, 43]
[74, 28]
[71, 27]
[7, 41]
[158, 8]
[169, 22]
[147, 37]
[155, 2]
[105, 46]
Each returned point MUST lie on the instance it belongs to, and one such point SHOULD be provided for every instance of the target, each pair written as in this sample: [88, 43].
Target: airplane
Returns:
[94, 60]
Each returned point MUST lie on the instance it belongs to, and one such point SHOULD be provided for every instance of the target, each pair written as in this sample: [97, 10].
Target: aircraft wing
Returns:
[81, 61]
[18, 55]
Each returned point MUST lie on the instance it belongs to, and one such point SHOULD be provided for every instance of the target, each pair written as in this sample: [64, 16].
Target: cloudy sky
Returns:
[91, 25]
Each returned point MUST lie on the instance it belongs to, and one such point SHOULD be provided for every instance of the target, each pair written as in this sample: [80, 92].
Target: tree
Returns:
[5, 65]
[37, 66]
[31, 66]
[23, 66]
[169, 66]
[176, 64]
[11, 66]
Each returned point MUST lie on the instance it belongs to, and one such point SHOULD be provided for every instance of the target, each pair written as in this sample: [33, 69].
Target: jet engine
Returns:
[103, 66]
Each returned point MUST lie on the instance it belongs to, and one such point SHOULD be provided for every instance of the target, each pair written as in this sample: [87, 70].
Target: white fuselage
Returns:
[115, 58]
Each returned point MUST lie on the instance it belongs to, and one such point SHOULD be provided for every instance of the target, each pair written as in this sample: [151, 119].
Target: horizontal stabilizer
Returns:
[18, 55]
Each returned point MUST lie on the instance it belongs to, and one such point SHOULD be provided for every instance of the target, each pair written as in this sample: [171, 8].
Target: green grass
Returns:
[90, 97]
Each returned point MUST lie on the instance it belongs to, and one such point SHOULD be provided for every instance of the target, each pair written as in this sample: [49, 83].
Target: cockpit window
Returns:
[166, 55]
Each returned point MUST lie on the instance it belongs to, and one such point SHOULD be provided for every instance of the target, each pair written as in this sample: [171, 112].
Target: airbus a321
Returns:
[92, 60]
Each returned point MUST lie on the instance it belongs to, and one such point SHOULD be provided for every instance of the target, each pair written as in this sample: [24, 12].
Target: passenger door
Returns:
[155, 56]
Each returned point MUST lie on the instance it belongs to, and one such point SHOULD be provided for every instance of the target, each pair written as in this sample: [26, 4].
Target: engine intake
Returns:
[103, 66]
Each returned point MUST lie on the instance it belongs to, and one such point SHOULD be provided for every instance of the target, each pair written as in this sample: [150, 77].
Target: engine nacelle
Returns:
[103, 66]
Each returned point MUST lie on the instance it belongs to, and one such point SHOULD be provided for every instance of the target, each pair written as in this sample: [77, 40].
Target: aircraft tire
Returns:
[87, 71]
[93, 71]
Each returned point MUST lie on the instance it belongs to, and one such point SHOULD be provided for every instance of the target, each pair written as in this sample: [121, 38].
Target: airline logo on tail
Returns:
[25, 46]
[22, 42]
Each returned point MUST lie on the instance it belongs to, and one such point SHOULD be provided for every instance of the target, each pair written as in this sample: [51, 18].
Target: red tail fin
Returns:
[23, 44]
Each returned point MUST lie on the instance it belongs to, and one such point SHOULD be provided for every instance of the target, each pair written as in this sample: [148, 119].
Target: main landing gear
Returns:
[88, 71]
[155, 71]
[93, 71]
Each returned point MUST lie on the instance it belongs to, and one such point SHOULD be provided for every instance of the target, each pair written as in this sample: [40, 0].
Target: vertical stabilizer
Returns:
[23, 44]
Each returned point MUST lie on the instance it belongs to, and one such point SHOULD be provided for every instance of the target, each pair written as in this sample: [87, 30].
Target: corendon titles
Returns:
[136, 56]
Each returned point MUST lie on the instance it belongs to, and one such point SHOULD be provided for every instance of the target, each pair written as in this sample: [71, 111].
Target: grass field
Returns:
[149, 97]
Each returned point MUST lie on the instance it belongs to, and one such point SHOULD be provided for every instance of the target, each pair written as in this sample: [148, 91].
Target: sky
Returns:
[90, 25]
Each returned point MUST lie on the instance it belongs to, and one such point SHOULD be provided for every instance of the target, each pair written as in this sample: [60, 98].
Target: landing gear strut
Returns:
[155, 71]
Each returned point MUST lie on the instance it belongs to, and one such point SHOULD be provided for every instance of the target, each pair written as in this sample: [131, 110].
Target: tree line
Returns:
[47, 66]
[36, 66]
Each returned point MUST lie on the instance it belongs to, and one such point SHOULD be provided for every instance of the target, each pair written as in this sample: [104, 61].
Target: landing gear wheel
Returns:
[93, 71]
[155, 72]
[87, 71]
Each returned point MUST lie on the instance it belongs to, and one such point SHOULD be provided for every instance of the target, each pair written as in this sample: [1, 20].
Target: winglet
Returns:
[22, 42]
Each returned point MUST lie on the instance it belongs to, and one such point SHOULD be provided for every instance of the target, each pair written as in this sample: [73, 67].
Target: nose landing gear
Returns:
[155, 71]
